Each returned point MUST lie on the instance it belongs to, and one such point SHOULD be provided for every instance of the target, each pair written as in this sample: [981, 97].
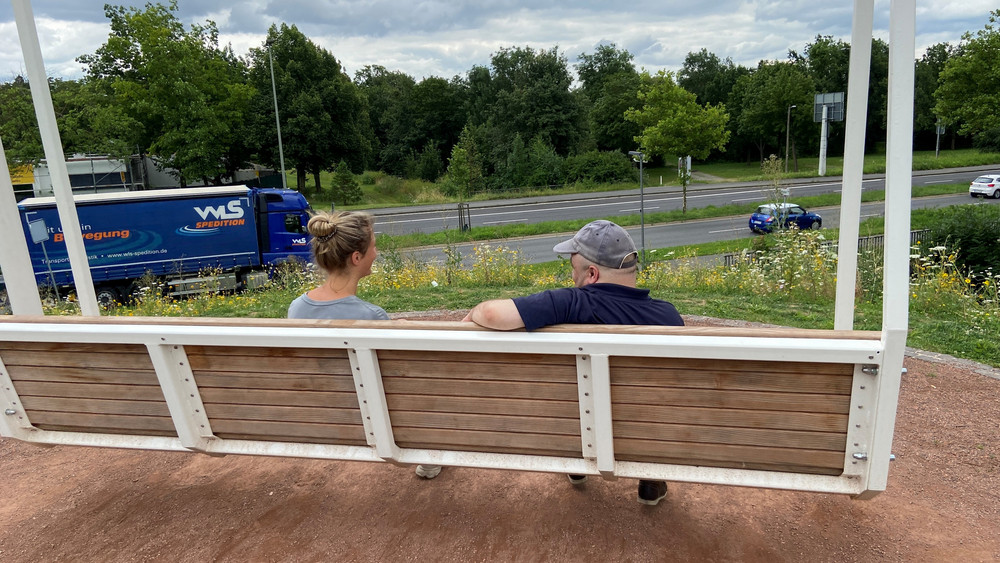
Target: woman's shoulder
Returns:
[378, 313]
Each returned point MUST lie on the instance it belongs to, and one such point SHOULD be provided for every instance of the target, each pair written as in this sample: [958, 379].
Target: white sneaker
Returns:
[428, 471]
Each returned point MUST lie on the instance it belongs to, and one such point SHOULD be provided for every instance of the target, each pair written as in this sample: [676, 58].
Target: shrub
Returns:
[988, 141]
[973, 231]
[599, 167]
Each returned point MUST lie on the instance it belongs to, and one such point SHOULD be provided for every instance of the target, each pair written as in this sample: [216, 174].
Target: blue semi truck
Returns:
[220, 238]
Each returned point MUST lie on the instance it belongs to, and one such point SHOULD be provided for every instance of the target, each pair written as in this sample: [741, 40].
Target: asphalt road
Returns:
[434, 218]
[539, 248]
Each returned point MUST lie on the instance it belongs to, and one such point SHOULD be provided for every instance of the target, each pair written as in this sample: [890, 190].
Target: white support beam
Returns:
[594, 391]
[854, 160]
[49, 129]
[368, 383]
[181, 393]
[585, 394]
[15, 262]
[604, 434]
[861, 420]
[819, 350]
[13, 420]
[898, 184]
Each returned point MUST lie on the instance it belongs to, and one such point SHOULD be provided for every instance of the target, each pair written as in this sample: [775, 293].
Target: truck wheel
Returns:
[108, 296]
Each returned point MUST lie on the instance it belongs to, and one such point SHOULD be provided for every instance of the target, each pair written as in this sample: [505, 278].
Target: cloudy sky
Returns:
[447, 37]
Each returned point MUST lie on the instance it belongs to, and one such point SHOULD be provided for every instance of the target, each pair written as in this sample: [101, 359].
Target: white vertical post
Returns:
[854, 160]
[898, 183]
[824, 133]
[49, 130]
[14, 258]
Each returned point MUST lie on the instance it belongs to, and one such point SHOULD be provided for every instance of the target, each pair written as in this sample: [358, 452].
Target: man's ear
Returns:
[593, 273]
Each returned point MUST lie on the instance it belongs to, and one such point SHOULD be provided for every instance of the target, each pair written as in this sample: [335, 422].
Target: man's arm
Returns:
[499, 314]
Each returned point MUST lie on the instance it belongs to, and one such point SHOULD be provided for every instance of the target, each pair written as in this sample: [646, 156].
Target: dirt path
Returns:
[88, 504]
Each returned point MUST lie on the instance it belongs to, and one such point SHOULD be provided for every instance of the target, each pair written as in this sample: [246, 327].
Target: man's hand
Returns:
[498, 314]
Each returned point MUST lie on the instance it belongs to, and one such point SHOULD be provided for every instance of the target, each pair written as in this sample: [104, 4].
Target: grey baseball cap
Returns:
[603, 243]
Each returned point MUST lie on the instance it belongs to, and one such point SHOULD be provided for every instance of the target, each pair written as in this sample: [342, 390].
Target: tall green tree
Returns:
[87, 119]
[429, 117]
[386, 92]
[764, 98]
[183, 97]
[529, 93]
[826, 60]
[708, 77]
[324, 116]
[675, 125]
[968, 95]
[926, 76]
[18, 127]
[611, 85]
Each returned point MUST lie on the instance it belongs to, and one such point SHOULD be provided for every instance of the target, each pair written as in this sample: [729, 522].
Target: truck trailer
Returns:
[219, 238]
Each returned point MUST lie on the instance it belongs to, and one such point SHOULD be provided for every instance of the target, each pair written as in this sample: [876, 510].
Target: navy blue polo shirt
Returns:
[598, 303]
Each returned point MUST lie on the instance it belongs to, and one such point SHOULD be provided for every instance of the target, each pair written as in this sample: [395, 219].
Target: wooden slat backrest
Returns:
[278, 394]
[780, 416]
[501, 403]
[86, 387]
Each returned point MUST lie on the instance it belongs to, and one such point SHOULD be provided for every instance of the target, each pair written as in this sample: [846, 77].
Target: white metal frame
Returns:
[166, 343]
[875, 398]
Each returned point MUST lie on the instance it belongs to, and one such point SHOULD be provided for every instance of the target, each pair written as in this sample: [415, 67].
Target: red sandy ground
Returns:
[89, 504]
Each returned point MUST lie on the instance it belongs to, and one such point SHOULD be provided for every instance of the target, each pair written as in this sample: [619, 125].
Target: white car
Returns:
[987, 185]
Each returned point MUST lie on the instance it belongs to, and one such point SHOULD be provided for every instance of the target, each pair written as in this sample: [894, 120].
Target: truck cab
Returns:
[282, 216]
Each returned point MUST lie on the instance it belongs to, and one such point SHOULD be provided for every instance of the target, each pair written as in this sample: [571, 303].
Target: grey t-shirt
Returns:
[352, 308]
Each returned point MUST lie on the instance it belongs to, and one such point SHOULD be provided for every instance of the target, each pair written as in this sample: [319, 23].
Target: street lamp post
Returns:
[788, 131]
[642, 207]
[277, 120]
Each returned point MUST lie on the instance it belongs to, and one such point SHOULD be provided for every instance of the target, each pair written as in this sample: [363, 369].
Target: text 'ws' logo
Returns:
[300, 241]
[228, 215]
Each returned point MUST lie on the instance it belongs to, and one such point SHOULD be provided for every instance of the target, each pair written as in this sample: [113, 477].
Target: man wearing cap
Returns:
[604, 259]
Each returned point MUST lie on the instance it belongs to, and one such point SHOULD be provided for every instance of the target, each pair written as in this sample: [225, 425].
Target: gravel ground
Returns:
[89, 504]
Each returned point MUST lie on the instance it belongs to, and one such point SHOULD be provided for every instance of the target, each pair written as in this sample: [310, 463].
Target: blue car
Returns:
[770, 215]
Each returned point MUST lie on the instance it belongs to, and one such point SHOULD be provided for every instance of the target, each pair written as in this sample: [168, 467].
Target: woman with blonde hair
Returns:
[343, 246]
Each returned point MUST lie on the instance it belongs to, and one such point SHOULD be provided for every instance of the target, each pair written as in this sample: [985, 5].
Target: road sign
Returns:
[835, 106]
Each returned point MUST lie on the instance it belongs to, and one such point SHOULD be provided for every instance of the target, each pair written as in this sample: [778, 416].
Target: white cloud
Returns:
[61, 43]
[445, 38]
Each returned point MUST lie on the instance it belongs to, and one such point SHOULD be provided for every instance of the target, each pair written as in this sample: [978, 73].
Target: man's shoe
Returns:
[577, 479]
[428, 471]
[652, 492]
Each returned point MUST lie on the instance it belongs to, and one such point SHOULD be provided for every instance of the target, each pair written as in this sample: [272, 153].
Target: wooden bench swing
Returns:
[808, 410]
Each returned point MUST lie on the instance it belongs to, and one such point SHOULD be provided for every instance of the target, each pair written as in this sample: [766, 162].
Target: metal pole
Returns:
[277, 120]
[642, 206]
[642, 212]
[788, 131]
[937, 140]
[822, 141]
